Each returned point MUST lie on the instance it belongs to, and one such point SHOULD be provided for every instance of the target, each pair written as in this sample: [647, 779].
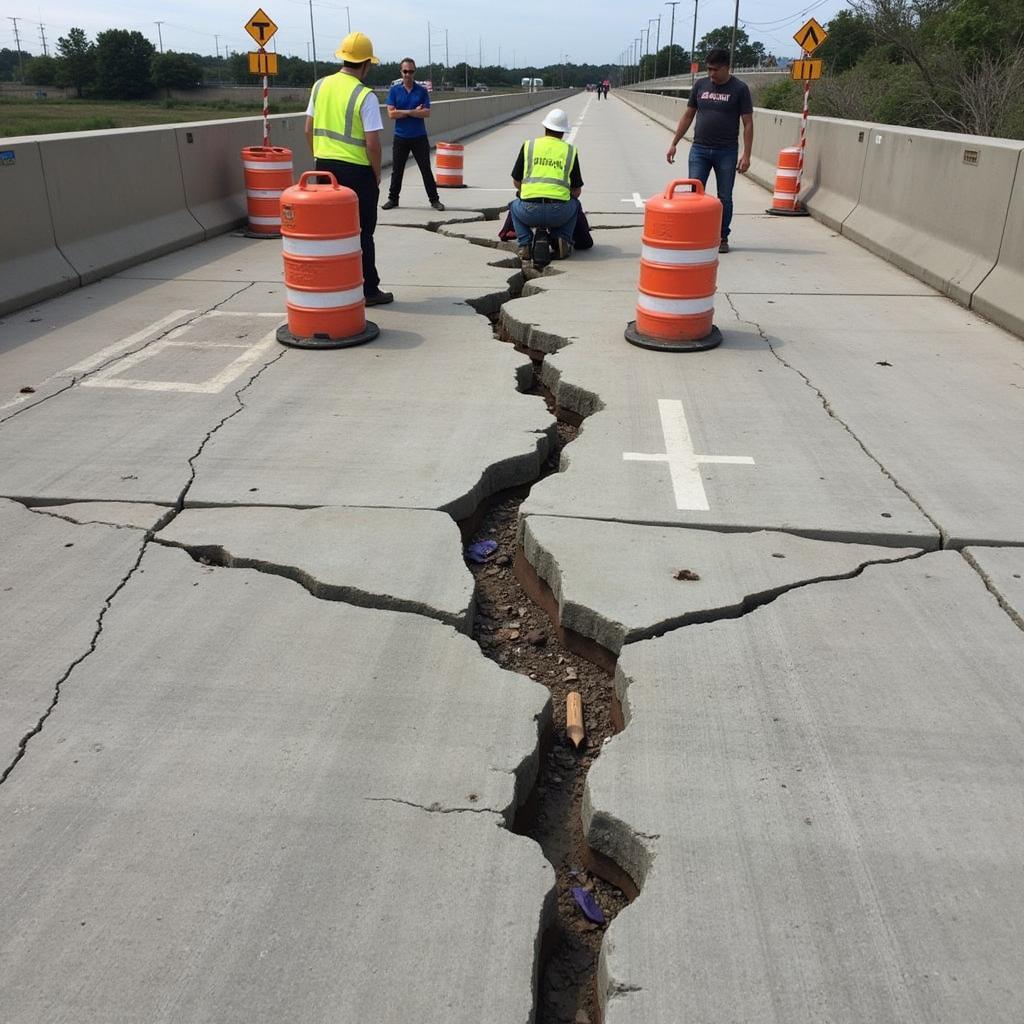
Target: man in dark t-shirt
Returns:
[719, 102]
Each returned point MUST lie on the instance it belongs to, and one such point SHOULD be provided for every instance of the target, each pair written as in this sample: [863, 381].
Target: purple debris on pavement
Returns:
[481, 550]
[587, 904]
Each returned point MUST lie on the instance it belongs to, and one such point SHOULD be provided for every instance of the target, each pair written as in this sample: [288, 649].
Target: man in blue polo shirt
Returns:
[408, 107]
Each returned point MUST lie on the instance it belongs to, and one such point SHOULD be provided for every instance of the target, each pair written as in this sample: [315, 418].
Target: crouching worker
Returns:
[547, 176]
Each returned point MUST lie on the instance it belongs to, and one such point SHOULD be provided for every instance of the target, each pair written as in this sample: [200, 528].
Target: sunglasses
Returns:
[413, 72]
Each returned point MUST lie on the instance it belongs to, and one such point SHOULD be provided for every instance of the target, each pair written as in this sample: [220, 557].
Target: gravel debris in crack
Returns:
[516, 634]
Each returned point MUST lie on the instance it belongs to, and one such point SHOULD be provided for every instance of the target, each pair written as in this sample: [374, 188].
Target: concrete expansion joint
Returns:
[943, 536]
[24, 742]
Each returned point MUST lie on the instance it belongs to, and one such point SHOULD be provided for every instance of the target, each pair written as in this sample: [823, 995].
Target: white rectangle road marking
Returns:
[111, 376]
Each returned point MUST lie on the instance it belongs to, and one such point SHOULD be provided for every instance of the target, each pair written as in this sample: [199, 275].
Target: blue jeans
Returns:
[560, 218]
[723, 161]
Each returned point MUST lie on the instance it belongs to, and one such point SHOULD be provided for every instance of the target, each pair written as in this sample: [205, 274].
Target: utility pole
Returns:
[657, 46]
[42, 35]
[17, 46]
[159, 34]
[693, 46]
[480, 55]
[348, 19]
[216, 46]
[672, 33]
[446, 64]
[735, 23]
[430, 60]
[312, 36]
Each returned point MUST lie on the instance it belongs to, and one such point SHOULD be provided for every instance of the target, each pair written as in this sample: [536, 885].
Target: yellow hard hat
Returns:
[355, 48]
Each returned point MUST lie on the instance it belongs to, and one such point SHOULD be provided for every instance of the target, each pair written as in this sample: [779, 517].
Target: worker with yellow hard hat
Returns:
[548, 179]
[343, 127]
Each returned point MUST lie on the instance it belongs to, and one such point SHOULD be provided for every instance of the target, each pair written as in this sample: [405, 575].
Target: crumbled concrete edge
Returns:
[614, 635]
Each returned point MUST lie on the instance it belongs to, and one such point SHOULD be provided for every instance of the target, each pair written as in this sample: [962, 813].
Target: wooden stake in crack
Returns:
[574, 719]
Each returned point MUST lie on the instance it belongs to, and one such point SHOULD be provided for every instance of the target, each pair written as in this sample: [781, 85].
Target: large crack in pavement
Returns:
[147, 538]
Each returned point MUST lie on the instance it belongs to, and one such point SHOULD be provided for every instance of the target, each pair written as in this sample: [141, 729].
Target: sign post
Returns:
[262, 29]
[808, 37]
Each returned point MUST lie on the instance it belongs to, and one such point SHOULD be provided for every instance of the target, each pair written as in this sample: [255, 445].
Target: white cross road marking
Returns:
[176, 338]
[683, 462]
[635, 200]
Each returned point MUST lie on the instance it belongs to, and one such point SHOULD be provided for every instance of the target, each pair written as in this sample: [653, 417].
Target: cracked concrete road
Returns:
[258, 798]
[821, 800]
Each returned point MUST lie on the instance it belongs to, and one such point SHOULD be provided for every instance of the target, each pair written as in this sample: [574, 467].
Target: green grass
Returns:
[43, 117]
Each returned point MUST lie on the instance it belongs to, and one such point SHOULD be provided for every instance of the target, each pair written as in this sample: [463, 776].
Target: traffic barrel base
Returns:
[800, 211]
[711, 340]
[285, 336]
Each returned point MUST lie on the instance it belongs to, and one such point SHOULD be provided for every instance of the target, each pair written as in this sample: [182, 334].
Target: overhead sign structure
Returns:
[262, 63]
[805, 70]
[260, 27]
[810, 36]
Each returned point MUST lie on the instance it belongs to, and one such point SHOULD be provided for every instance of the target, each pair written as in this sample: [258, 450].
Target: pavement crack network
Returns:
[75, 381]
[827, 405]
[1014, 615]
[752, 602]
[180, 503]
[434, 808]
[38, 728]
[218, 555]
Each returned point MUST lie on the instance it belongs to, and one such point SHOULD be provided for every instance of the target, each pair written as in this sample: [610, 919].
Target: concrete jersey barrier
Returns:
[32, 268]
[946, 208]
[92, 203]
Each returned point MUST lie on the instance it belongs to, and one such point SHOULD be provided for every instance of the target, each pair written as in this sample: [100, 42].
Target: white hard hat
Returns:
[556, 121]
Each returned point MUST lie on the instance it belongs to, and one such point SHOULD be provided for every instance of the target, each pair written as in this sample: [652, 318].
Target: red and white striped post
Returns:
[266, 100]
[803, 135]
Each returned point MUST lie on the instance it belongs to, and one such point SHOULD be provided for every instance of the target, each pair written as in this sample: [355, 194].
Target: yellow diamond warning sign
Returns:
[260, 27]
[805, 70]
[810, 36]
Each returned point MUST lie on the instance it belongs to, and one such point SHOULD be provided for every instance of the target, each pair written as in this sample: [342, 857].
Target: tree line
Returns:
[125, 65]
[945, 65]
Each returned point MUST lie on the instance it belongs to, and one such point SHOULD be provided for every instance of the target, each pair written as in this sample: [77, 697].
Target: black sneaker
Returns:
[380, 298]
[437, 204]
[542, 250]
[723, 245]
[389, 205]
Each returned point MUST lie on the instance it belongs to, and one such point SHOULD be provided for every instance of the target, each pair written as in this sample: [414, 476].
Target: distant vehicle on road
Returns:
[480, 87]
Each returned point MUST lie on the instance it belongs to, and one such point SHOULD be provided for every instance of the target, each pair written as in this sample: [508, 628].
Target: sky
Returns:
[525, 33]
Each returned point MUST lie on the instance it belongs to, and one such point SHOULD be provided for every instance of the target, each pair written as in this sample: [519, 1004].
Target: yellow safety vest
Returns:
[337, 125]
[547, 164]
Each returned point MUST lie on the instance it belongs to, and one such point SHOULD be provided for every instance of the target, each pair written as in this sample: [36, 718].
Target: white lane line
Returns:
[570, 136]
[683, 462]
[635, 200]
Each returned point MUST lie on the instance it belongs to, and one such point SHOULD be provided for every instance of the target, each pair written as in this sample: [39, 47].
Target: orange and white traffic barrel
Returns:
[323, 266]
[785, 201]
[675, 303]
[449, 165]
[268, 172]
